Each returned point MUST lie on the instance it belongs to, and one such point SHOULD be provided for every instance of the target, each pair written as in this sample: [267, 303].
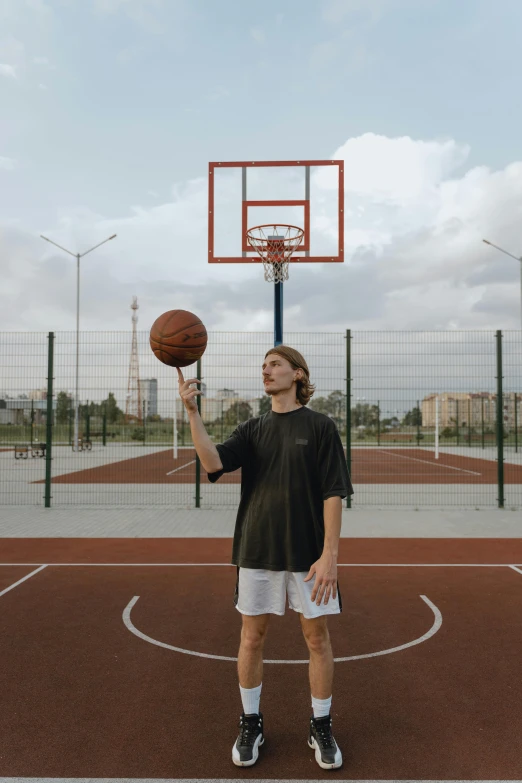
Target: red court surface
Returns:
[102, 674]
[369, 466]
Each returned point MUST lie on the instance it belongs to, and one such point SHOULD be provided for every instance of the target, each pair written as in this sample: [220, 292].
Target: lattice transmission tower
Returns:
[133, 411]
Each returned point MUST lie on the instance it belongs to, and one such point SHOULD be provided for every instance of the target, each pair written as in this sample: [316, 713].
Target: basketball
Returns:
[178, 338]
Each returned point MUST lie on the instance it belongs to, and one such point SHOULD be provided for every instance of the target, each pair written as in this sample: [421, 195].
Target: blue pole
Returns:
[278, 314]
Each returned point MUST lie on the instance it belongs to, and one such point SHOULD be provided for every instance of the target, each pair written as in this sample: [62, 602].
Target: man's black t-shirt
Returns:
[291, 463]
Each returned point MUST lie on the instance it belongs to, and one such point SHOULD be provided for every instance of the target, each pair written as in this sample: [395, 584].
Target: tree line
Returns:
[333, 405]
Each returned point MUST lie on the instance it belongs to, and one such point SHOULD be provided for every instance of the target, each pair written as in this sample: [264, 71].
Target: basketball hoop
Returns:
[276, 245]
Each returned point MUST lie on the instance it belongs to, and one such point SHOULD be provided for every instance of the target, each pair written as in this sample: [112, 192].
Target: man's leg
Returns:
[250, 670]
[327, 752]
[250, 657]
[321, 669]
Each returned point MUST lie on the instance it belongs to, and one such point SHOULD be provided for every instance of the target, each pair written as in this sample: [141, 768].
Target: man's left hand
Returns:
[325, 585]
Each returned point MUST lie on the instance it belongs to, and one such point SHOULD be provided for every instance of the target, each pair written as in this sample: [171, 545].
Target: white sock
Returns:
[321, 707]
[251, 698]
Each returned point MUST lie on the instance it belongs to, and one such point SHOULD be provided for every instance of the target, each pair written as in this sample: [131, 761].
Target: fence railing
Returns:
[419, 414]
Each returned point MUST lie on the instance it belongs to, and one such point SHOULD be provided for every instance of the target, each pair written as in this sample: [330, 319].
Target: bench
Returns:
[36, 450]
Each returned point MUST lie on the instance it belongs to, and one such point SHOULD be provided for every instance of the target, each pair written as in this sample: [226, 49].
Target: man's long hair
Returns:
[305, 389]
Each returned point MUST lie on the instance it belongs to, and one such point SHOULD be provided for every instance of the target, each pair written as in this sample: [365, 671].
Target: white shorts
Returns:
[259, 591]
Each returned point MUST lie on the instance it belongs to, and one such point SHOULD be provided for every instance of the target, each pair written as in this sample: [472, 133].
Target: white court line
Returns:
[23, 579]
[430, 462]
[518, 570]
[180, 468]
[433, 630]
[231, 565]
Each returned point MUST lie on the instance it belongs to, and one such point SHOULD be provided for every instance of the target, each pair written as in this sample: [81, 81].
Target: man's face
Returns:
[278, 374]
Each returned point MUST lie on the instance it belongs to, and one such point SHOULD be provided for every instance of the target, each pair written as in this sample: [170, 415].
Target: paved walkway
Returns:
[153, 522]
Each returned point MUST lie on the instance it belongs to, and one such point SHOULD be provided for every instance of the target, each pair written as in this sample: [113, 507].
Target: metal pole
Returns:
[469, 422]
[482, 419]
[87, 422]
[278, 314]
[516, 425]
[457, 419]
[378, 422]
[500, 423]
[349, 409]
[175, 429]
[77, 256]
[49, 423]
[77, 398]
[198, 463]
[437, 427]
[418, 422]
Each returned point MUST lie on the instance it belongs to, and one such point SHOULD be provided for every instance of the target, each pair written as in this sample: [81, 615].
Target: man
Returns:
[294, 477]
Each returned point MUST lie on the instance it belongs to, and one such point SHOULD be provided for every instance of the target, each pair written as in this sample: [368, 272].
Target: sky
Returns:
[110, 111]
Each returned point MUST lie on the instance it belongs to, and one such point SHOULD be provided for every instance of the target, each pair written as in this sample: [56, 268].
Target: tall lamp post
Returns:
[517, 258]
[77, 256]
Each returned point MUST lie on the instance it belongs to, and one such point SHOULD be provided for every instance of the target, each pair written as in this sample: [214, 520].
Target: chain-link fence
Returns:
[423, 428]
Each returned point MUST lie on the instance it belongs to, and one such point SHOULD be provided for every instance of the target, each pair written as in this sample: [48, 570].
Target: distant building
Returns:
[38, 394]
[18, 410]
[149, 395]
[213, 408]
[470, 409]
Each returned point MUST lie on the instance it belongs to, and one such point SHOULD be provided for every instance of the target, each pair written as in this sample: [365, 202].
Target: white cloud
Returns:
[7, 70]
[218, 94]
[415, 218]
[336, 11]
[8, 164]
[13, 57]
[258, 34]
[142, 12]
[322, 54]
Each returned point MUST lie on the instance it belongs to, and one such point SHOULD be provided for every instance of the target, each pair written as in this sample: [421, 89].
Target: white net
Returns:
[275, 244]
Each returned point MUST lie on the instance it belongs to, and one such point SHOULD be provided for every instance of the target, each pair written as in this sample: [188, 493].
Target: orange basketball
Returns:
[178, 338]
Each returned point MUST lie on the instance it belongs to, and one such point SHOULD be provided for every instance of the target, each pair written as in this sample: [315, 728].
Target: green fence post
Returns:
[49, 423]
[500, 422]
[516, 425]
[198, 463]
[104, 427]
[349, 409]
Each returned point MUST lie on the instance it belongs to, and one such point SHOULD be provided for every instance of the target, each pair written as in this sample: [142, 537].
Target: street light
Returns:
[77, 256]
[517, 258]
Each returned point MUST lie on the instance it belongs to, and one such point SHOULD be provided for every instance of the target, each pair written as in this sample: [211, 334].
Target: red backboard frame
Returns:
[305, 203]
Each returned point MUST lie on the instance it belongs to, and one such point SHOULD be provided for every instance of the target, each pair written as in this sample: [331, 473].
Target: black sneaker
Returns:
[327, 754]
[246, 748]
